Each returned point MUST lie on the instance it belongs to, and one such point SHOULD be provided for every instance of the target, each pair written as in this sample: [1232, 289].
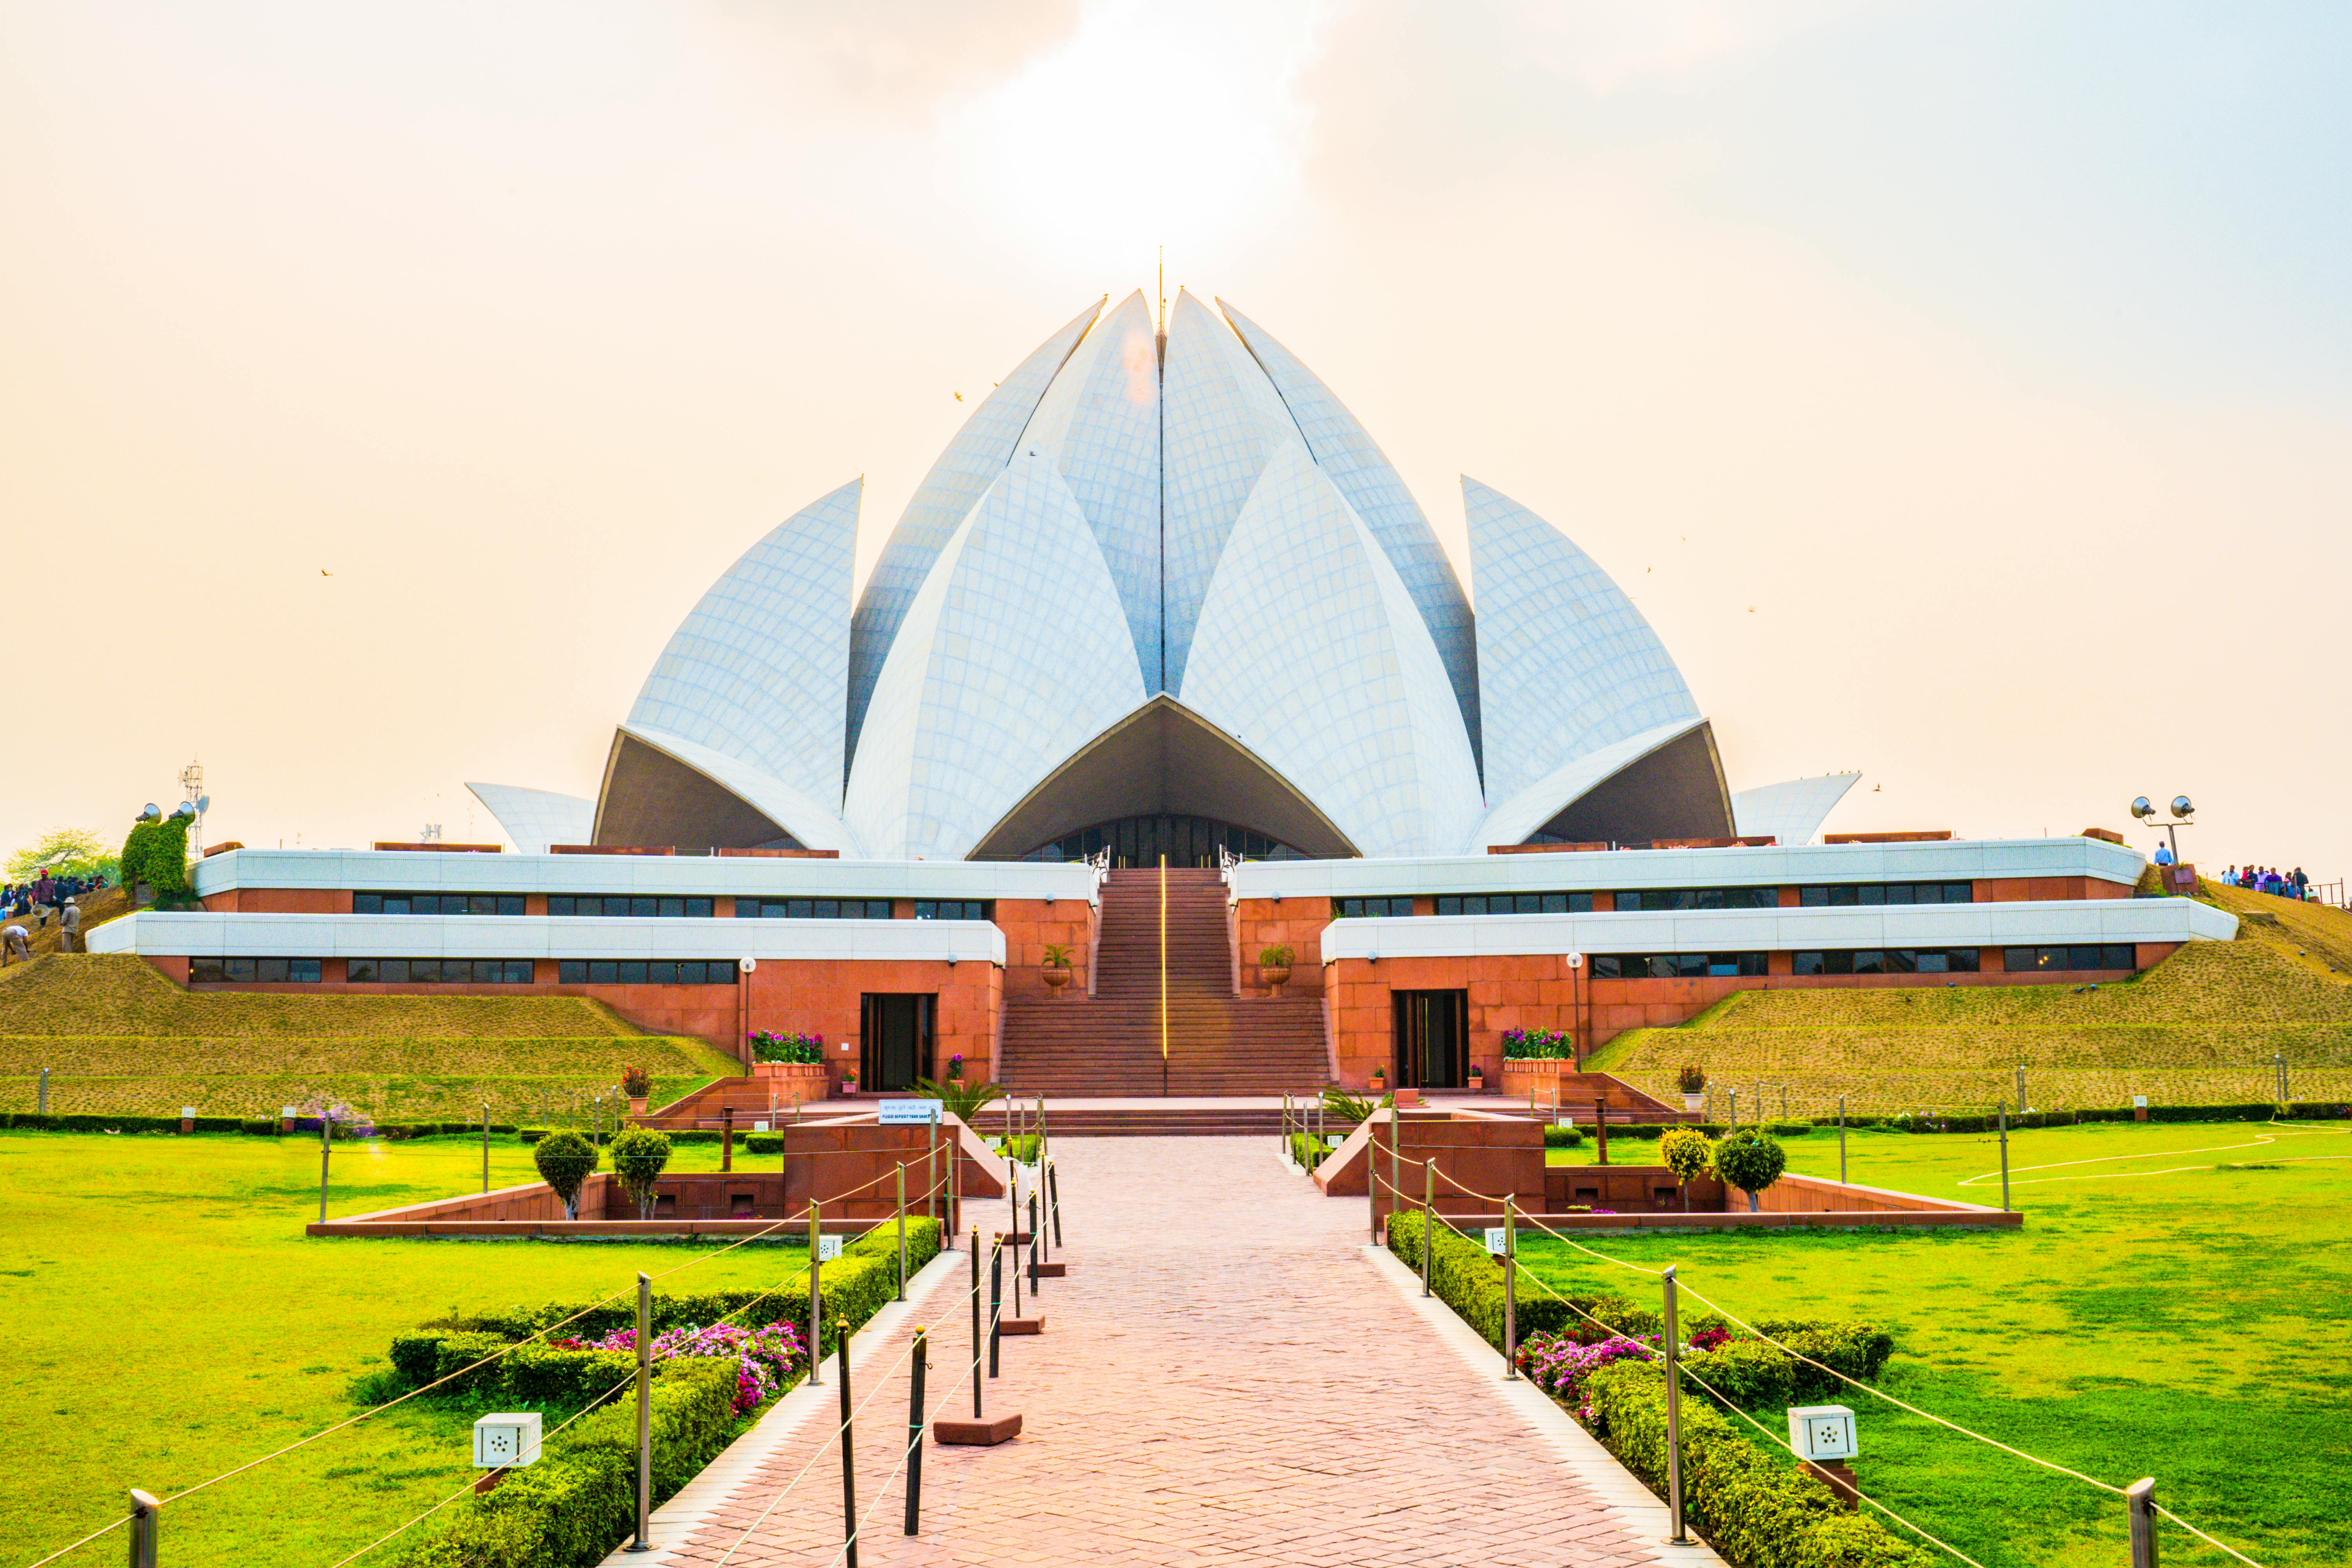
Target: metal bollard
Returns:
[1601, 1130]
[976, 1330]
[1033, 1244]
[2004, 1157]
[2140, 1497]
[644, 1542]
[848, 1457]
[727, 1138]
[1016, 1245]
[1054, 1200]
[931, 1170]
[902, 1232]
[1672, 1340]
[1510, 1291]
[45, 1091]
[915, 1411]
[816, 1302]
[995, 1301]
[326, 1149]
[145, 1511]
[486, 1148]
[1731, 1104]
[1428, 1217]
[1841, 1140]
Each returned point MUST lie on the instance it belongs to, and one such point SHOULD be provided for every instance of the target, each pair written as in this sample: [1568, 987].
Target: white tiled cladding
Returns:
[722, 875]
[1357, 465]
[816, 823]
[1016, 653]
[967, 466]
[1098, 425]
[1310, 653]
[534, 818]
[1792, 811]
[1514, 818]
[759, 670]
[1566, 664]
[1785, 929]
[1946, 861]
[1222, 422]
[201, 935]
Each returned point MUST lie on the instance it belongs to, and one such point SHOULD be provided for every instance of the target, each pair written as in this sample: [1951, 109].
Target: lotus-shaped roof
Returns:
[1160, 576]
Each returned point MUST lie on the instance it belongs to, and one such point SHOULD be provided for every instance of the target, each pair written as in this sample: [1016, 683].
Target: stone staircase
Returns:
[1108, 1044]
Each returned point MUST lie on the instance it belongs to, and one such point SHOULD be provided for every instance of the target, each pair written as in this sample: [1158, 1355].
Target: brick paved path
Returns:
[1224, 1379]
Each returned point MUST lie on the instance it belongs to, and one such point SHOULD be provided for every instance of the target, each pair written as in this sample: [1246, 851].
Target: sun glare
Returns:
[1136, 132]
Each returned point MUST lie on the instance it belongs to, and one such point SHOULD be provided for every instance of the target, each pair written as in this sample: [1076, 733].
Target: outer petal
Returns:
[1672, 765]
[759, 669]
[1311, 653]
[1792, 811]
[967, 466]
[1016, 653]
[535, 818]
[1348, 453]
[1567, 665]
[748, 801]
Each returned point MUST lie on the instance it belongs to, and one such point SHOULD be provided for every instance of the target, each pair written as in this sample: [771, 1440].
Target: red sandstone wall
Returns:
[280, 901]
[1262, 923]
[1028, 924]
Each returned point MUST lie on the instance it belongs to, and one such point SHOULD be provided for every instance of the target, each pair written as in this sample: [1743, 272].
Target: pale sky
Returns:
[1962, 389]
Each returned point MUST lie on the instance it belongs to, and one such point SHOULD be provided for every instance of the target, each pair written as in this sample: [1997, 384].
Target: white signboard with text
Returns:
[908, 1113]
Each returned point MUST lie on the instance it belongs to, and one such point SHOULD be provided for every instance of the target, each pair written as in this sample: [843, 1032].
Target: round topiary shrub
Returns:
[565, 1162]
[1750, 1161]
[1689, 1153]
[639, 1157]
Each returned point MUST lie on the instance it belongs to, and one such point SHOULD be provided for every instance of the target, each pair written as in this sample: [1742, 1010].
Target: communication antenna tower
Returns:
[192, 786]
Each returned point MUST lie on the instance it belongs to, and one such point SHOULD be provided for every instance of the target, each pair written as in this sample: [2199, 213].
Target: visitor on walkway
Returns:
[2164, 855]
[15, 946]
[69, 926]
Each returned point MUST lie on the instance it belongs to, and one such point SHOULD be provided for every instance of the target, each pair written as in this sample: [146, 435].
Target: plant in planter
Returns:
[639, 1156]
[955, 1069]
[1274, 966]
[1379, 1080]
[1537, 1045]
[1693, 1080]
[565, 1162]
[1056, 969]
[958, 1099]
[1477, 1079]
[807, 1051]
[849, 1080]
[1750, 1161]
[637, 1083]
[1689, 1153]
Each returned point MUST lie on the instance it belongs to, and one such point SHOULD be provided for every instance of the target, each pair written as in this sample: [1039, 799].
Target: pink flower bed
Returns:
[764, 1358]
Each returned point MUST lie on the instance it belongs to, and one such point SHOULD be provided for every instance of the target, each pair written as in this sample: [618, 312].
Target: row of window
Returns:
[814, 909]
[2106, 955]
[437, 970]
[1369, 909]
[1674, 966]
[651, 972]
[272, 971]
[1868, 893]
[616, 906]
[1859, 960]
[1645, 899]
[1888, 960]
[1516, 904]
[436, 903]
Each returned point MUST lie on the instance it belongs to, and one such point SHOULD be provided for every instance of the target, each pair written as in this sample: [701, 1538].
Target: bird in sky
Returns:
[324, 573]
[959, 397]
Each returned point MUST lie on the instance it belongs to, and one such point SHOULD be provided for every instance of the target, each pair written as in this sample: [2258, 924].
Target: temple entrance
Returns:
[1433, 1037]
[895, 1041]
[1189, 842]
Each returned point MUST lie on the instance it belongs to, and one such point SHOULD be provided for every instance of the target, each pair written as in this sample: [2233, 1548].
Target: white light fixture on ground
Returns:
[507, 1441]
[1821, 1432]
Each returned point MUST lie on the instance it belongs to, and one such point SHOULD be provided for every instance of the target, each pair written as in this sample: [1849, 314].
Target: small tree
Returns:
[565, 1162]
[135, 850]
[1750, 1161]
[1689, 1153]
[69, 851]
[639, 1157]
[167, 868]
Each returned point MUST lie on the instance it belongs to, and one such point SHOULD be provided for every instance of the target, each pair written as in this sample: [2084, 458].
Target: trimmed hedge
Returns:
[1556, 1137]
[83, 1121]
[1752, 1506]
[580, 1501]
[1971, 1121]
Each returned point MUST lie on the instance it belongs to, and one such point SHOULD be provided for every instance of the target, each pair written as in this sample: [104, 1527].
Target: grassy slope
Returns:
[2183, 1322]
[168, 1320]
[118, 1038]
[2202, 1027]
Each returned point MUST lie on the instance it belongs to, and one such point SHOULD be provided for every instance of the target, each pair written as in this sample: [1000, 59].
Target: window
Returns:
[653, 972]
[1674, 965]
[616, 906]
[243, 971]
[1369, 909]
[1845, 893]
[437, 970]
[1699, 899]
[812, 909]
[2110, 955]
[1516, 904]
[436, 903]
[1887, 960]
[954, 910]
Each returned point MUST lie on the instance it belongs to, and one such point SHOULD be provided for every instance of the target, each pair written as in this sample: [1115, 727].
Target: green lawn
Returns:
[2156, 1316]
[168, 1320]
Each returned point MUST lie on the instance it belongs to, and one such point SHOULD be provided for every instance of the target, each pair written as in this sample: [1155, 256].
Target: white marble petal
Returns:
[1567, 665]
[967, 466]
[1792, 811]
[534, 818]
[1514, 817]
[1346, 452]
[759, 669]
[806, 817]
[1016, 653]
[1310, 652]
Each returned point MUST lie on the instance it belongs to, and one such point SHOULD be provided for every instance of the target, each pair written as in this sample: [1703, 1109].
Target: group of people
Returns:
[2261, 880]
[45, 898]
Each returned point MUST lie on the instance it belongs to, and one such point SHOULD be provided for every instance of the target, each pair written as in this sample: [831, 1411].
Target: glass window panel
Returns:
[1813, 898]
[396, 904]
[828, 908]
[367, 903]
[1901, 961]
[1869, 961]
[633, 972]
[1932, 964]
[662, 972]
[1449, 905]
[272, 970]
[604, 971]
[303, 970]
[571, 971]
[697, 908]
[1608, 966]
[510, 903]
[639, 909]
[670, 908]
[927, 910]
[1807, 963]
[1528, 904]
[204, 971]
[690, 971]
[392, 971]
[358, 970]
[1960, 959]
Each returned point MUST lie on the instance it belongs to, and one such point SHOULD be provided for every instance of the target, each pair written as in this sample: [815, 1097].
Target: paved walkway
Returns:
[1227, 1377]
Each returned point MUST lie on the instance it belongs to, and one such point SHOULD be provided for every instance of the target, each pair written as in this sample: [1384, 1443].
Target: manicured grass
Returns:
[168, 1320]
[2156, 1316]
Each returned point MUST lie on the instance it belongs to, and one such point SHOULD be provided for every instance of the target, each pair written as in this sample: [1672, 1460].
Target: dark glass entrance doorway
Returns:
[1432, 1036]
[895, 1041]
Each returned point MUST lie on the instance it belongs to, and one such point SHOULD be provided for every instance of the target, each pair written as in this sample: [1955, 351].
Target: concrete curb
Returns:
[1639, 1513]
[677, 1522]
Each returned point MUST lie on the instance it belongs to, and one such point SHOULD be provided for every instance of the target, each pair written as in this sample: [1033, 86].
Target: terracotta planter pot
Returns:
[1275, 979]
[1055, 977]
[1539, 1067]
[636, 1105]
[1694, 1101]
[795, 1083]
[1478, 1083]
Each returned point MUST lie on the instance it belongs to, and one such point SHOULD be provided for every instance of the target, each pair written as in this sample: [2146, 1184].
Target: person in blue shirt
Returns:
[2164, 855]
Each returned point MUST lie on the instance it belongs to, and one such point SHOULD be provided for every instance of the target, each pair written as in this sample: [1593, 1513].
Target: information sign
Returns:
[909, 1112]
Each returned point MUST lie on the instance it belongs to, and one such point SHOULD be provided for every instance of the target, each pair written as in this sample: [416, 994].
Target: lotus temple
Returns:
[1164, 751]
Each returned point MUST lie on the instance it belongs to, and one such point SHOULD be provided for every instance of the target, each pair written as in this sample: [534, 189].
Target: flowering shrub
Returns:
[1708, 1339]
[1537, 1045]
[770, 1046]
[1558, 1366]
[764, 1358]
[955, 1069]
